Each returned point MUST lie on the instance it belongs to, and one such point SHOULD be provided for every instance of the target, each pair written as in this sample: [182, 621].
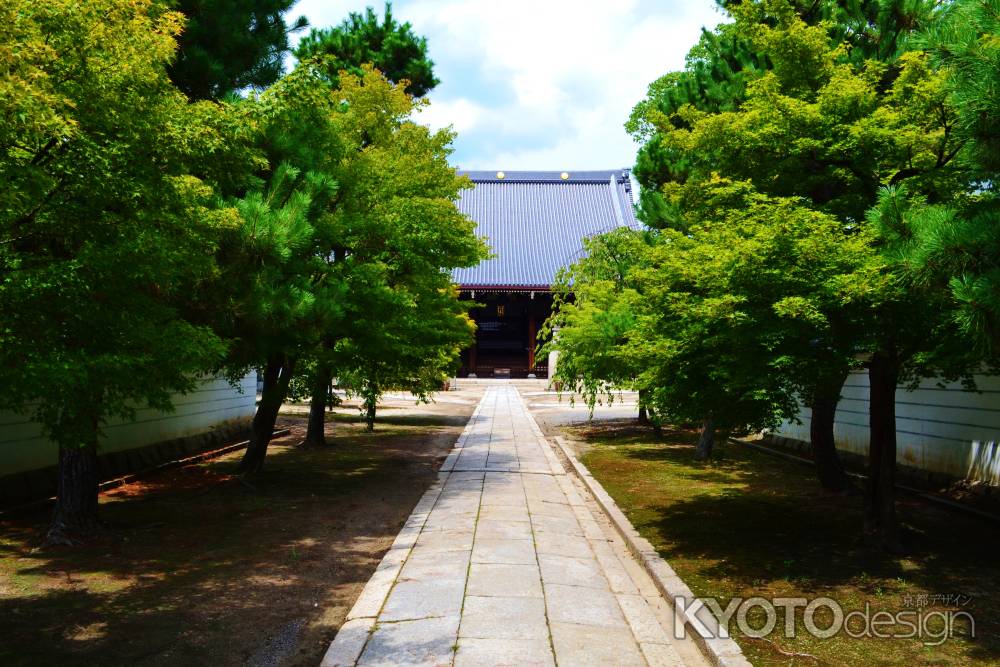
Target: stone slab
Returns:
[581, 646]
[346, 648]
[514, 552]
[583, 606]
[426, 642]
[584, 572]
[504, 653]
[504, 618]
[423, 598]
[504, 580]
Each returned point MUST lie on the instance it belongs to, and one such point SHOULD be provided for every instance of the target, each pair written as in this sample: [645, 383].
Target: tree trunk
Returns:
[75, 515]
[370, 405]
[829, 469]
[706, 441]
[880, 507]
[277, 375]
[643, 414]
[315, 432]
[372, 392]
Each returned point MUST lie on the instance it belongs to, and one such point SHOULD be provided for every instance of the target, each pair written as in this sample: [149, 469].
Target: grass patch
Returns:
[747, 524]
[200, 568]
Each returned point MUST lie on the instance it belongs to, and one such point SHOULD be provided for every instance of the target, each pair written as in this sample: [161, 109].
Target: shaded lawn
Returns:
[201, 568]
[748, 524]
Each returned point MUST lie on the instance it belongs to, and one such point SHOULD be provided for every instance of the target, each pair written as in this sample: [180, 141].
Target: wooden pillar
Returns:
[532, 334]
[475, 344]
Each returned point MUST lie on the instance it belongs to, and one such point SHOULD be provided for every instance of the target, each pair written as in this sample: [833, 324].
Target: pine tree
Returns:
[391, 47]
[400, 55]
[716, 73]
[229, 45]
[349, 243]
[967, 45]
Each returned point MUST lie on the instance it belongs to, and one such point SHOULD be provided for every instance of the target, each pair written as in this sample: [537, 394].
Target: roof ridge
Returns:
[546, 176]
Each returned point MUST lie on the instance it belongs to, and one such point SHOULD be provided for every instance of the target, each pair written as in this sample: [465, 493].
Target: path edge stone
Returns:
[723, 652]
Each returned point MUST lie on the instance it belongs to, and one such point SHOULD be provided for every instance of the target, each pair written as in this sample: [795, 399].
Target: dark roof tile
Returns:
[535, 222]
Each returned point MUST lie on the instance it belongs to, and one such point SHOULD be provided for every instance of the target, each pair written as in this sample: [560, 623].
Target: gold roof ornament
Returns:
[564, 176]
[501, 175]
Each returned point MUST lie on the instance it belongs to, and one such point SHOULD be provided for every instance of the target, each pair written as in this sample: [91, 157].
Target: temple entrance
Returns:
[505, 344]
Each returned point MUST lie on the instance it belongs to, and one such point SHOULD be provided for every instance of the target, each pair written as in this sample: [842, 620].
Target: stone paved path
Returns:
[502, 563]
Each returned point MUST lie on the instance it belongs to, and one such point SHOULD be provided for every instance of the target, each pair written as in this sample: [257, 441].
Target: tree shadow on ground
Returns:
[201, 568]
[383, 421]
[752, 524]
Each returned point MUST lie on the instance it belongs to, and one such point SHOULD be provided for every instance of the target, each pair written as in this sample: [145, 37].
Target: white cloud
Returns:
[461, 114]
[542, 84]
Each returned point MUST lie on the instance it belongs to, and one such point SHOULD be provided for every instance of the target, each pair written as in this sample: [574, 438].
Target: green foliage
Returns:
[275, 268]
[820, 127]
[967, 46]
[342, 263]
[749, 305]
[228, 45]
[967, 43]
[146, 239]
[594, 312]
[768, 273]
[718, 69]
[400, 234]
[105, 226]
[717, 319]
[391, 47]
[799, 44]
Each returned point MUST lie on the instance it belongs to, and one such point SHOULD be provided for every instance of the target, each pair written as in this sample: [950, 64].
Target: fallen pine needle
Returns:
[789, 654]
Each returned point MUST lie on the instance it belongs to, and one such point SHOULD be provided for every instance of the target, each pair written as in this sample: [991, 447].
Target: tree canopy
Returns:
[398, 234]
[229, 45]
[148, 240]
[816, 203]
[107, 221]
[391, 47]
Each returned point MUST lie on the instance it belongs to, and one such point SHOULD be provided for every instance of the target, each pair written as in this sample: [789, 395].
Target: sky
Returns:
[540, 84]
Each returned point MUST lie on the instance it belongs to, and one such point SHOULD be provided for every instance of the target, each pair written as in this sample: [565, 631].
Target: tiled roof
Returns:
[535, 222]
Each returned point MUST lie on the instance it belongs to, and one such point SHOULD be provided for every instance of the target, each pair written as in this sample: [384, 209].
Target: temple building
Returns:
[535, 222]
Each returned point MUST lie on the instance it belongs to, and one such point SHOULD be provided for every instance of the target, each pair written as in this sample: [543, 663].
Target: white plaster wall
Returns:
[941, 429]
[215, 402]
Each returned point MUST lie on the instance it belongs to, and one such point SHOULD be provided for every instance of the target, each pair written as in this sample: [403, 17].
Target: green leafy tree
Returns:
[832, 128]
[415, 349]
[746, 307]
[710, 323]
[593, 314]
[719, 76]
[400, 55]
[725, 60]
[229, 45]
[107, 221]
[400, 234]
[391, 47]
[276, 280]
[361, 207]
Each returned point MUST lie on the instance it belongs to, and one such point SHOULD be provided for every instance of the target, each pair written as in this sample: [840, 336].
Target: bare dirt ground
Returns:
[199, 567]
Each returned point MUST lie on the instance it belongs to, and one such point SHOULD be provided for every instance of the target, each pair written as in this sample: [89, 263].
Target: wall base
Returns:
[24, 487]
[918, 478]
